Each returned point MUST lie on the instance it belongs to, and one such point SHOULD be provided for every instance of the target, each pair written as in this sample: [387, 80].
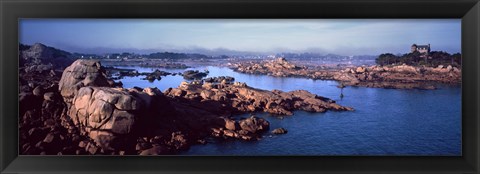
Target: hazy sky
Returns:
[344, 37]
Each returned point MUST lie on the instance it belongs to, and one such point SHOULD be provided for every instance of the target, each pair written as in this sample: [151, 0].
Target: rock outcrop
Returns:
[155, 75]
[83, 113]
[43, 123]
[80, 74]
[41, 111]
[399, 76]
[234, 98]
[106, 109]
[279, 67]
[220, 79]
[245, 129]
[86, 116]
[279, 131]
[115, 119]
[150, 76]
[39, 54]
[194, 74]
[106, 114]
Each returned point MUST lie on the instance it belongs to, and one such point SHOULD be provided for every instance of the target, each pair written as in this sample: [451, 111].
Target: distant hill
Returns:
[39, 54]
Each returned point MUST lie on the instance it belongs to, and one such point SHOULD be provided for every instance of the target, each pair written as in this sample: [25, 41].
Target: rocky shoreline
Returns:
[397, 77]
[83, 112]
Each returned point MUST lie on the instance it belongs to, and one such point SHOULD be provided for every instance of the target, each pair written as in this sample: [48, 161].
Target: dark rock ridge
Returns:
[400, 76]
[157, 74]
[43, 124]
[194, 74]
[118, 73]
[39, 54]
[220, 79]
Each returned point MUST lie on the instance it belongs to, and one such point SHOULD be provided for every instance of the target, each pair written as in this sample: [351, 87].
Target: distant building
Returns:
[424, 49]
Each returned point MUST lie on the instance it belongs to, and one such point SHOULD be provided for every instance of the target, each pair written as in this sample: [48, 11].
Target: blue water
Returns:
[385, 121]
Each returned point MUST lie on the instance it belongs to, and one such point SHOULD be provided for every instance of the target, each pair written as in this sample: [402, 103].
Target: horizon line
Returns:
[191, 51]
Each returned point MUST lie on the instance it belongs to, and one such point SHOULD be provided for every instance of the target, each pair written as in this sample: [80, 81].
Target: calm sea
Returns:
[385, 121]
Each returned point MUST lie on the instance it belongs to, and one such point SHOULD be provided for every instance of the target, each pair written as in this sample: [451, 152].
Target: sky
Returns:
[224, 36]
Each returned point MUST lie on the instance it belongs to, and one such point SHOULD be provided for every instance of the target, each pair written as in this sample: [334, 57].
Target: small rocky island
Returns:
[81, 111]
[398, 76]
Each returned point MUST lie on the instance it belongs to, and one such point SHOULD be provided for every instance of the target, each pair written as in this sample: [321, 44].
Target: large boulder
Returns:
[110, 116]
[360, 70]
[104, 113]
[231, 124]
[279, 131]
[80, 74]
[254, 124]
[245, 129]
[107, 109]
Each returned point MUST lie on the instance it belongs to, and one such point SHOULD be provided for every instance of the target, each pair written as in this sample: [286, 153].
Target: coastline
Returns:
[88, 113]
[372, 76]
[394, 76]
[81, 110]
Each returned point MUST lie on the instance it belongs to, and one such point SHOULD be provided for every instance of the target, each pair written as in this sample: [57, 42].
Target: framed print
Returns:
[216, 86]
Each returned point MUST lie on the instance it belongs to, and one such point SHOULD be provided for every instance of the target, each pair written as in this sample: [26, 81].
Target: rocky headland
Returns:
[398, 77]
[237, 97]
[81, 111]
[39, 57]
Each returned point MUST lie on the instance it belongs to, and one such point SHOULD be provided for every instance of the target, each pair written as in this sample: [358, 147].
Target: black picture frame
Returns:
[11, 11]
